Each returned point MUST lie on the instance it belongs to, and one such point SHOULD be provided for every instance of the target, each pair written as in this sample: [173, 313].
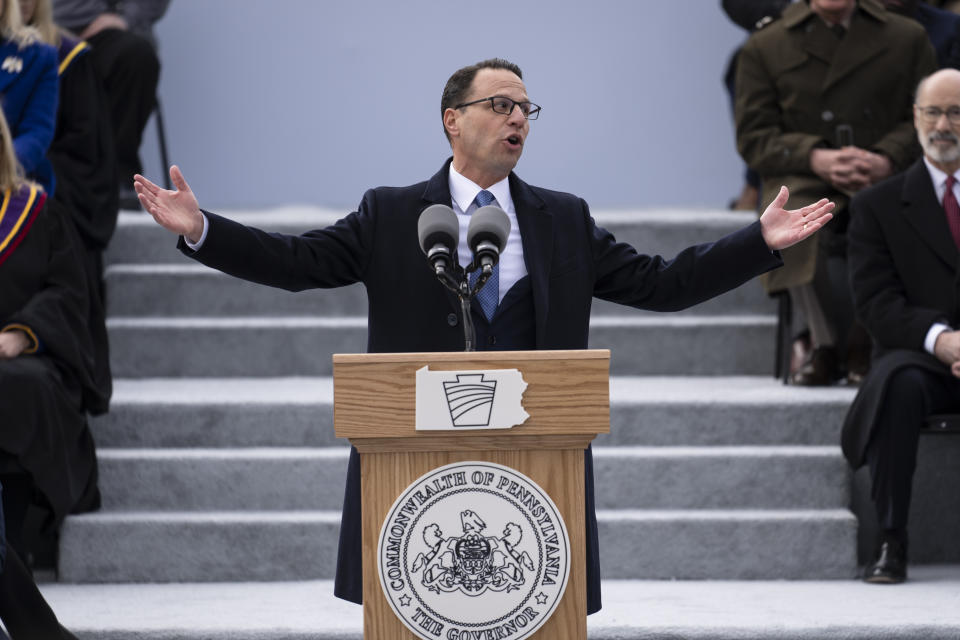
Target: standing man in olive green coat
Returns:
[824, 106]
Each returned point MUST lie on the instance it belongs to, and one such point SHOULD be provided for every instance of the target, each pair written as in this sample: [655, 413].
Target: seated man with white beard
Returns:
[904, 252]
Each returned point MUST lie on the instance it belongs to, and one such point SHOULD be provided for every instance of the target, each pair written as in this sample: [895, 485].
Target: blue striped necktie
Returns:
[489, 296]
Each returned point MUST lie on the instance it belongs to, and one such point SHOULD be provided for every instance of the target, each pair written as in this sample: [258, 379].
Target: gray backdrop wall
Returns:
[312, 102]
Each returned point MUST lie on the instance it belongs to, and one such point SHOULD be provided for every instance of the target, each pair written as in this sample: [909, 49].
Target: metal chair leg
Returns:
[784, 335]
[162, 140]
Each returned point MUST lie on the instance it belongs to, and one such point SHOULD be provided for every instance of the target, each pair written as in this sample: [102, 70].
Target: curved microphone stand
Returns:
[460, 285]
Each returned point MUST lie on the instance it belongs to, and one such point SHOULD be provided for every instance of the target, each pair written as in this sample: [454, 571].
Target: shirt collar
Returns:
[939, 177]
[463, 191]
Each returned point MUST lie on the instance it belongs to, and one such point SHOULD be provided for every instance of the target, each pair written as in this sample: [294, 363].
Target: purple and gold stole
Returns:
[17, 213]
[70, 48]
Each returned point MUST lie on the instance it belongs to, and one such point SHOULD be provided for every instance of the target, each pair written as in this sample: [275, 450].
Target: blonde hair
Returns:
[12, 27]
[11, 174]
[42, 21]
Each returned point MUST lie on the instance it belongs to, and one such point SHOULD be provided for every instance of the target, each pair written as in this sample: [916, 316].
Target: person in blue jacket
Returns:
[28, 90]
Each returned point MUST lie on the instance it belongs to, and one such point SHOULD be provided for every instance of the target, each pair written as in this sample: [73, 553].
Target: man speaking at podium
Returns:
[555, 260]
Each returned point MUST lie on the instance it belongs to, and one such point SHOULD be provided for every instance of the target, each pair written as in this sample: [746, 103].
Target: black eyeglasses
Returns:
[932, 114]
[504, 105]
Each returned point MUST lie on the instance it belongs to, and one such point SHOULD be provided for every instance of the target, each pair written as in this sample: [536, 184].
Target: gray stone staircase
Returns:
[218, 460]
[219, 465]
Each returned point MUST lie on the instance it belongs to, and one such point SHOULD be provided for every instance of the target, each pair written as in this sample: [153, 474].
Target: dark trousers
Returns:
[130, 70]
[913, 395]
[24, 612]
[17, 495]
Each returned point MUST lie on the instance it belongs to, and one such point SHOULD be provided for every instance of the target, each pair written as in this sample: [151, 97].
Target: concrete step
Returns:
[258, 479]
[723, 410]
[169, 289]
[923, 608]
[288, 412]
[218, 412]
[295, 545]
[798, 477]
[303, 346]
[727, 544]
[172, 289]
[138, 239]
[275, 479]
[199, 547]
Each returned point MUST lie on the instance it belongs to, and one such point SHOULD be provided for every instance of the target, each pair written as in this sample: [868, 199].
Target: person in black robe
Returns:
[84, 162]
[45, 375]
[47, 455]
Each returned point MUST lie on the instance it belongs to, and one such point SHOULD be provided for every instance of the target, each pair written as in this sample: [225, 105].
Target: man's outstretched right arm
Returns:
[333, 256]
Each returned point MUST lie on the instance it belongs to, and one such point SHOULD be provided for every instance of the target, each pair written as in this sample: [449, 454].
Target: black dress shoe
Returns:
[858, 364]
[820, 369]
[890, 567]
[800, 351]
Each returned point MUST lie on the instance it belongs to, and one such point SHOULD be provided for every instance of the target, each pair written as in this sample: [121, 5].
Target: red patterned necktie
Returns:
[952, 209]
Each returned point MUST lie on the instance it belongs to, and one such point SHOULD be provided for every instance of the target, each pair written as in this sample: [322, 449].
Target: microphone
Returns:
[439, 234]
[487, 236]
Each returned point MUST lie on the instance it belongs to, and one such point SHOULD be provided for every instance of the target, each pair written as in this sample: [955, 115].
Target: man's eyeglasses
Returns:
[932, 114]
[501, 104]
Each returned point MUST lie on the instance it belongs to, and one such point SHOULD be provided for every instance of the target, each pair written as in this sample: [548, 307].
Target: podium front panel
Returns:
[559, 473]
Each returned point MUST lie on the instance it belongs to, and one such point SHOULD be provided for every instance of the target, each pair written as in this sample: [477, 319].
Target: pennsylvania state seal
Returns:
[473, 551]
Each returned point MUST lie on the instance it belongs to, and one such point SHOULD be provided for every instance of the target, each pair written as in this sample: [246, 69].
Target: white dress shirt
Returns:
[462, 193]
[940, 187]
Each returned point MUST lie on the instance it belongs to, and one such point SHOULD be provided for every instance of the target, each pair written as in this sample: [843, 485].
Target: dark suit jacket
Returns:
[568, 257]
[904, 277]
[570, 260]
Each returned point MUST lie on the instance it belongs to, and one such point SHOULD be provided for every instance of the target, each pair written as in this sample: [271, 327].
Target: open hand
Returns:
[844, 169]
[102, 22]
[13, 343]
[177, 211]
[782, 228]
[875, 165]
[850, 169]
[947, 349]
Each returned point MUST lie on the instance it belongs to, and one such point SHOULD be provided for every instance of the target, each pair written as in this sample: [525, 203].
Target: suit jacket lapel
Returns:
[536, 235]
[814, 37]
[925, 213]
[437, 190]
[819, 42]
[864, 40]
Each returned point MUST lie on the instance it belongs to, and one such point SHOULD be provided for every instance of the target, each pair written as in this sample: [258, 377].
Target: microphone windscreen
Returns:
[438, 225]
[488, 223]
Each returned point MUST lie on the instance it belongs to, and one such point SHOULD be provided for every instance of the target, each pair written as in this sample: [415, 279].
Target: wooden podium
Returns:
[568, 403]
